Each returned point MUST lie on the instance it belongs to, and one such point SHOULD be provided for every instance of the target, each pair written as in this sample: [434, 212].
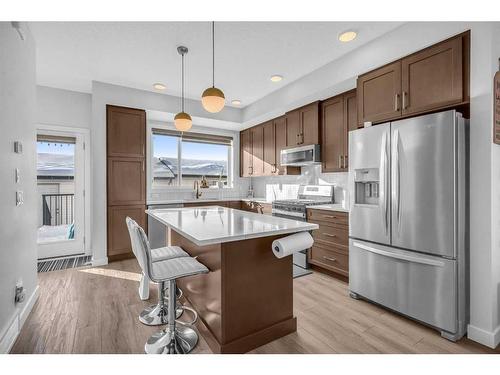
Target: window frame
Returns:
[151, 189]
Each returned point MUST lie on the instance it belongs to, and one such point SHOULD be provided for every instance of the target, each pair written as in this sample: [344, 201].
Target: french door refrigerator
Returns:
[407, 224]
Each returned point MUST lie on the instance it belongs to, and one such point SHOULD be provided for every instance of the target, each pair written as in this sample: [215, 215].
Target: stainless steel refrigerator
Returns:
[407, 224]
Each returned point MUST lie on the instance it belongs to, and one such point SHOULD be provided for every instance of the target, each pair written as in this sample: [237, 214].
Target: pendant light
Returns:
[182, 120]
[212, 98]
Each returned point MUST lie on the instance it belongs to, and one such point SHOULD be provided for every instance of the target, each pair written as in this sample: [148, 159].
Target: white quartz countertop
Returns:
[207, 200]
[330, 207]
[215, 224]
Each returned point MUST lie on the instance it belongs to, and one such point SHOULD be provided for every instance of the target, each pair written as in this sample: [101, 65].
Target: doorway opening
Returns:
[60, 193]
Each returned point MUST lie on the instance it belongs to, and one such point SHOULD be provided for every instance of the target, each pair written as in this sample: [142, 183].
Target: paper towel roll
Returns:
[292, 244]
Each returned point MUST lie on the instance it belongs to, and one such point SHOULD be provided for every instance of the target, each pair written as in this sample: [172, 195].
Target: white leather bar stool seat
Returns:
[157, 255]
[177, 268]
[166, 253]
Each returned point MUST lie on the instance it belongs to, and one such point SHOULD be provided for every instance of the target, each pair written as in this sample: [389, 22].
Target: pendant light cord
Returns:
[182, 101]
[213, 53]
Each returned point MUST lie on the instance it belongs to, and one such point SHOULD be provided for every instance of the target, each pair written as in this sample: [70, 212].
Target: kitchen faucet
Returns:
[197, 189]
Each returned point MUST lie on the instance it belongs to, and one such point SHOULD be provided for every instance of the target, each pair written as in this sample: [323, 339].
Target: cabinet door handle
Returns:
[404, 100]
[330, 235]
[302, 142]
[345, 161]
[330, 259]
[396, 102]
[340, 161]
[330, 216]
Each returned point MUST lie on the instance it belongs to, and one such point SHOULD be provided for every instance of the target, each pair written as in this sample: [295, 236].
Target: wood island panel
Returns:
[246, 300]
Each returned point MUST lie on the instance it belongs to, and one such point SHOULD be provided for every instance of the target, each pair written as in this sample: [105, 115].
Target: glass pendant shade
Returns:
[213, 100]
[183, 121]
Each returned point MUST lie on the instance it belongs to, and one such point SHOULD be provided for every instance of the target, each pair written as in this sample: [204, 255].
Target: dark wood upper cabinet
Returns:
[433, 78]
[428, 80]
[338, 117]
[309, 121]
[269, 152]
[351, 110]
[280, 138]
[126, 133]
[245, 153]
[303, 125]
[334, 134]
[293, 128]
[379, 94]
[257, 139]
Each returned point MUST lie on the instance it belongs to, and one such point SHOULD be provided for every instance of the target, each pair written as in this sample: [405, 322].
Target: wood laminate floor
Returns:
[94, 310]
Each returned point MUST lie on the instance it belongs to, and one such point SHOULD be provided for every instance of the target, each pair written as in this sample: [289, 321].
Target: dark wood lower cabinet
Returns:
[119, 246]
[331, 241]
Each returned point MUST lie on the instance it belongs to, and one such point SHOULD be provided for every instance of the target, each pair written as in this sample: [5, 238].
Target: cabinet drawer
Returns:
[330, 259]
[334, 217]
[331, 235]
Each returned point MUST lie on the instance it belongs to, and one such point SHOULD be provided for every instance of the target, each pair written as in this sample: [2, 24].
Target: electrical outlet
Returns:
[20, 293]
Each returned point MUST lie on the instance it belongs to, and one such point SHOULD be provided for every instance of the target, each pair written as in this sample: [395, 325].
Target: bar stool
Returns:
[155, 314]
[173, 339]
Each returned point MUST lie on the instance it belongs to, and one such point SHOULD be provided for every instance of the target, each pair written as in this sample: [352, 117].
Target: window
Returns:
[165, 162]
[196, 156]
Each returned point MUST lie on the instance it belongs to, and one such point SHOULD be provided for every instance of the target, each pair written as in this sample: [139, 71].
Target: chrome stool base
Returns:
[156, 315]
[184, 340]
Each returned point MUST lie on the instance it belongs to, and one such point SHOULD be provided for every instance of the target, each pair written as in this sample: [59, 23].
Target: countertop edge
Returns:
[308, 227]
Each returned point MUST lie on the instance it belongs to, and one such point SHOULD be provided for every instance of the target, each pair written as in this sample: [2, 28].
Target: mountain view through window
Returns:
[198, 160]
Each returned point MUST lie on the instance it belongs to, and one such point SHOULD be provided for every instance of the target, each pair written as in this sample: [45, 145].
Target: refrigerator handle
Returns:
[396, 192]
[408, 258]
[383, 180]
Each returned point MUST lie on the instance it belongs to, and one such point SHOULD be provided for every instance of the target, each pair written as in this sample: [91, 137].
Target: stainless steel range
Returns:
[308, 195]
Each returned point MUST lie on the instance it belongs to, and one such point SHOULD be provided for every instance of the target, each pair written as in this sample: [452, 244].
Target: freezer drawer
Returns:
[420, 286]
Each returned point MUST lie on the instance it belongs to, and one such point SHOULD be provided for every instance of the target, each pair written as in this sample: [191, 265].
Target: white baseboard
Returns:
[100, 261]
[10, 336]
[490, 339]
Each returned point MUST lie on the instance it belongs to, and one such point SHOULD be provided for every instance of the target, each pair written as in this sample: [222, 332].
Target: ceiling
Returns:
[70, 55]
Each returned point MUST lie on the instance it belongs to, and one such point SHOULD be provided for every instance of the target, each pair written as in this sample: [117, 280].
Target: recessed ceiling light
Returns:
[347, 36]
[276, 78]
[236, 102]
[159, 86]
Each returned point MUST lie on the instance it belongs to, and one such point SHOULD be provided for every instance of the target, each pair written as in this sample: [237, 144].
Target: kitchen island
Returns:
[246, 300]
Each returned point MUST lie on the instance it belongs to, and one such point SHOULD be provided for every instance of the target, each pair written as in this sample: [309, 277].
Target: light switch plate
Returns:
[18, 147]
[19, 198]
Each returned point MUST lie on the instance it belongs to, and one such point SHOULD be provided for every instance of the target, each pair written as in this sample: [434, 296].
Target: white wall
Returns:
[63, 107]
[495, 205]
[17, 224]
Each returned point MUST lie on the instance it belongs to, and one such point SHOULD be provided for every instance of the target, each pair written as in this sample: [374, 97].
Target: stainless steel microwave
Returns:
[301, 156]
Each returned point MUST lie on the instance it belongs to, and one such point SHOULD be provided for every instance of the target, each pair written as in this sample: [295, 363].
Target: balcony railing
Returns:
[57, 209]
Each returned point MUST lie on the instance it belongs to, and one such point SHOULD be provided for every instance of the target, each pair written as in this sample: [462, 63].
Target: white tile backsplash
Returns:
[285, 187]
